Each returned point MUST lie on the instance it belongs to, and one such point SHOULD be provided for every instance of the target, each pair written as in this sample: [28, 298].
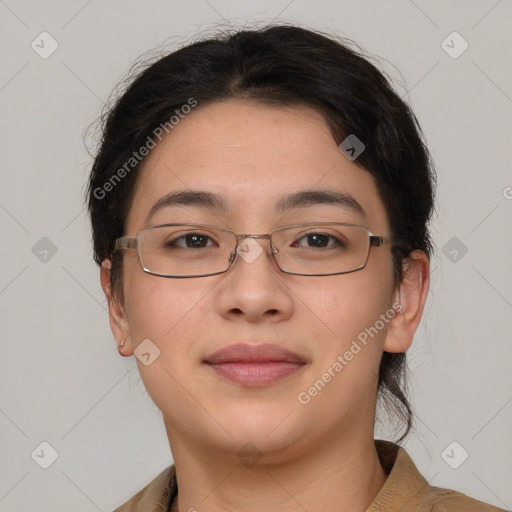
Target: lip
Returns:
[254, 365]
[250, 353]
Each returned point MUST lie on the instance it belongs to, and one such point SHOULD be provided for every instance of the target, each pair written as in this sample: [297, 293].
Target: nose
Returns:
[253, 288]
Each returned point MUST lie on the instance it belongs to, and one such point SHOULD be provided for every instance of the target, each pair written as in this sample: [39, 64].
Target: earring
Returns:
[121, 344]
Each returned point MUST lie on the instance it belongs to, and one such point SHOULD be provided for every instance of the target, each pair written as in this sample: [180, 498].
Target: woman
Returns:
[260, 205]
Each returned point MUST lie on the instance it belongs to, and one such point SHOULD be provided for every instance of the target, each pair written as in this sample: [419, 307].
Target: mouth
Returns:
[254, 365]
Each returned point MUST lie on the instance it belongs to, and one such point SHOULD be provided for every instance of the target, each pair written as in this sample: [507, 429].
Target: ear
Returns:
[411, 295]
[117, 316]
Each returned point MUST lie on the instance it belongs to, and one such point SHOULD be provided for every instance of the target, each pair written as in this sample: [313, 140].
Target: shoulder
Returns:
[447, 500]
[155, 496]
[408, 491]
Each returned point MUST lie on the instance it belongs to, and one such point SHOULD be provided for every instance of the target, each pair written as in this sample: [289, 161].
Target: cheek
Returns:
[350, 308]
[154, 305]
[348, 344]
[349, 303]
[171, 314]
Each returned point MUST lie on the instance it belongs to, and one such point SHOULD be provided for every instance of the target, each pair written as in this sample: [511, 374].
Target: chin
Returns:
[266, 430]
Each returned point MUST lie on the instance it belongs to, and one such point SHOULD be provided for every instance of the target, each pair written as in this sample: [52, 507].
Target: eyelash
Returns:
[173, 243]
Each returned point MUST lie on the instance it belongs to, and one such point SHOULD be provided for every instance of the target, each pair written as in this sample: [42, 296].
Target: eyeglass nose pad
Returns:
[233, 253]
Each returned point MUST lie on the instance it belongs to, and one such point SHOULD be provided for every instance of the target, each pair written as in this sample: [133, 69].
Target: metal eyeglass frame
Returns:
[133, 243]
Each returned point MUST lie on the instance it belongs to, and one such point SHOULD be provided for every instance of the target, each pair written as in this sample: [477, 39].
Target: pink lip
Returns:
[254, 365]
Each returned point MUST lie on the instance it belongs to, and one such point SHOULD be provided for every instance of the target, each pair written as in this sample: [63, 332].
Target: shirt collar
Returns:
[404, 483]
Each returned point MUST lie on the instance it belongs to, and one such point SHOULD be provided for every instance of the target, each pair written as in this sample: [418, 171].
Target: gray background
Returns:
[61, 378]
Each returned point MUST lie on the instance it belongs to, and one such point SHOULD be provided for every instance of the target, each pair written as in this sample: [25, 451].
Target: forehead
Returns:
[252, 155]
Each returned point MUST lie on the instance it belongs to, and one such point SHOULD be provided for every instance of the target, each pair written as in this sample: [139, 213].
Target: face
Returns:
[252, 155]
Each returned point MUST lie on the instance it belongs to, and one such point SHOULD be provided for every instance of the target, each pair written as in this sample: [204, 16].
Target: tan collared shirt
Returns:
[405, 490]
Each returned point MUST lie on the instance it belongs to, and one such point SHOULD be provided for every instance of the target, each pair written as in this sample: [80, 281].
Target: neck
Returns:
[341, 474]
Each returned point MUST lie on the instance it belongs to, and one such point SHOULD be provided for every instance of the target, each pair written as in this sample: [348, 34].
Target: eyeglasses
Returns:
[198, 250]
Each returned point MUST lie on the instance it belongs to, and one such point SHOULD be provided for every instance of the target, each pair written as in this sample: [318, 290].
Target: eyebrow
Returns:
[301, 199]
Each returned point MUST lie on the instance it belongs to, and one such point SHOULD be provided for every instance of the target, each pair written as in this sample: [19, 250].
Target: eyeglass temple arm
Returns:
[126, 243]
[378, 240]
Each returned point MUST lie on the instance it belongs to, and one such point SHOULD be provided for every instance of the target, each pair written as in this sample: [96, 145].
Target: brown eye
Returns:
[189, 241]
[320, 240]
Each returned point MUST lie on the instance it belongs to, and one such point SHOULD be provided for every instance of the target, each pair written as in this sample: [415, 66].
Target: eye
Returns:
[319, 240]
[190, 241]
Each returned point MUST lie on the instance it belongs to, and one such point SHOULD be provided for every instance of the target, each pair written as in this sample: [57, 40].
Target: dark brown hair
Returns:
[278, 65]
